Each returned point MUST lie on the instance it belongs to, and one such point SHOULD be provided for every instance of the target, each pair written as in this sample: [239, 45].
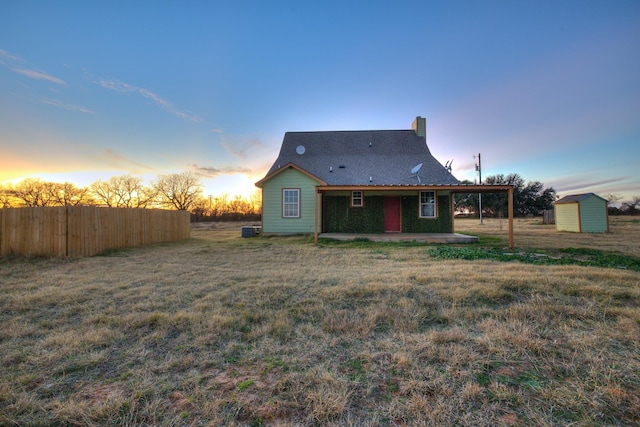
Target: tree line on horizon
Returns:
[179, 191]
[529, 199]
[184, 191]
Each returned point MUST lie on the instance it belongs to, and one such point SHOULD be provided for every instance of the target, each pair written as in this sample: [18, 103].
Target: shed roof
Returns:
[376, 157]
[575, 198]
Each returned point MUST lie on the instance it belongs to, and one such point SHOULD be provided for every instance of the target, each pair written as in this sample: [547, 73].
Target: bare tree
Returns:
[7, 197]
[256, 202]
[103, 192]
[35, 192]
[611, 198]
[178, 190]
[238, 205]
[631, 206]
[132, 193]
[67, 194]
[218, 205]
[200, 208]
[123, 191]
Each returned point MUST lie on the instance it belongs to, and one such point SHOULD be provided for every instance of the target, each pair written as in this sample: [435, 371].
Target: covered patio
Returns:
[407, 237]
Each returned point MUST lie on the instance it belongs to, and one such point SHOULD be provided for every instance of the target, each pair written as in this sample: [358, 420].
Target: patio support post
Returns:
[453, 214]
[511, 217]
[315, 219]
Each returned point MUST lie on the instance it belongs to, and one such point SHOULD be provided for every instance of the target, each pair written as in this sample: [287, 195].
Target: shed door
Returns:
[392, 214]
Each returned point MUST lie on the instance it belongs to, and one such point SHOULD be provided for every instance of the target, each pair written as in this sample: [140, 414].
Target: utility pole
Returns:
[479, 170]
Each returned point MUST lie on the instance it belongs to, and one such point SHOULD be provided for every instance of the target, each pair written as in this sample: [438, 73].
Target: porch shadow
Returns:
[403, 237]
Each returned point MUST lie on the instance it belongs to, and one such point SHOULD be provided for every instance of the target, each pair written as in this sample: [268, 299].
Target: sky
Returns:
[549, 90]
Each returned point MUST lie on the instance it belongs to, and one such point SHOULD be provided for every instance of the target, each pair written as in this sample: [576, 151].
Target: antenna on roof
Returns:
[447, 166]
[415, 170]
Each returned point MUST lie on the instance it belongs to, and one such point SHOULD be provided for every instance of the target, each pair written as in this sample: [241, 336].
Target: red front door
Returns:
[392, 214]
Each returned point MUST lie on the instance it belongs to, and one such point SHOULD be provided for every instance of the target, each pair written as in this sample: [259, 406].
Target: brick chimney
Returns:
[420, 127]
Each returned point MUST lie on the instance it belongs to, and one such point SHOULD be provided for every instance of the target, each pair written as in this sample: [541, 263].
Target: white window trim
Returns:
[285, 205]
[435, 205]
[353, 197]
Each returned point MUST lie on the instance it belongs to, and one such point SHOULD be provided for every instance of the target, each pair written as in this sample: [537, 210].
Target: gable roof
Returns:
[289, 166]
[574, 198]
[377, 157]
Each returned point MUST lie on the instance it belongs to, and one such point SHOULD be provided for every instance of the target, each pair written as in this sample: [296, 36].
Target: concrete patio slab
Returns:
[403, 237]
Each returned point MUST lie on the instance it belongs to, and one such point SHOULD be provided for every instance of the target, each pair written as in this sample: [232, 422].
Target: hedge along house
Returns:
[582, 213]
[380, 181]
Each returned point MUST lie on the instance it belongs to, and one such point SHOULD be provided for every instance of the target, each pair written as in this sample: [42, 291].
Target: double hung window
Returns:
[357, 200]
[427, 204]
[291, 203]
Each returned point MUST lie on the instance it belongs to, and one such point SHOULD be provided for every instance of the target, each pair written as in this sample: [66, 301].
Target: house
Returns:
[582, 213]
[378, 181]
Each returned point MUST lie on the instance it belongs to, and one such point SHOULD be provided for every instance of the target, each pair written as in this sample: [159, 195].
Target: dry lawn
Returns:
[623, 236]
[220, 330]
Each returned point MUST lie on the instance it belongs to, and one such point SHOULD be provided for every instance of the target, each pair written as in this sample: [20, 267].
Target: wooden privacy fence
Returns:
[86, 230]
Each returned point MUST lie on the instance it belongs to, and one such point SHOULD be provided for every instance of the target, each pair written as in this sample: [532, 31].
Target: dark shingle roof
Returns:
[354, 157]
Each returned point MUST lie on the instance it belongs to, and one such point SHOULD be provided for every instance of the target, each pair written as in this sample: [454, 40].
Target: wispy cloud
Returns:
[242, 147]
[16, 64]
[123, 87]
[584, 184]
[65, 106]
[117, 86]
[39, 75]
[123, 162]
[212, 172]
[8, 57]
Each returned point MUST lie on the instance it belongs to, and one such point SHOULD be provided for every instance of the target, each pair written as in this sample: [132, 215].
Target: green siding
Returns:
[412, 223]
[593, 215]
[567, 217]
[340, 217]
[272, 220]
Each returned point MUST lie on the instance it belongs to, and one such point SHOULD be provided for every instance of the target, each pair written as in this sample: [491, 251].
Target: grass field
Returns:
[220, 330]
